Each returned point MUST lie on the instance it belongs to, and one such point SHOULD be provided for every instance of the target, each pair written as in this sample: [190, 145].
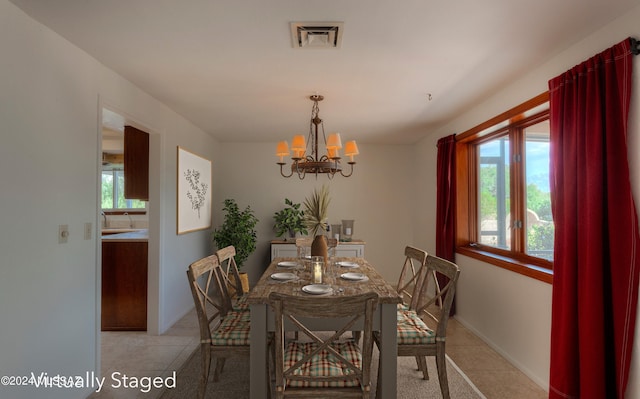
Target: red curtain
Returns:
[595, 280]
[445, 203]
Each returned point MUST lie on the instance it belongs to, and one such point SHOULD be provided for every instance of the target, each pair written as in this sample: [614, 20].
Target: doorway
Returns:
[124, 225]
[111, 132]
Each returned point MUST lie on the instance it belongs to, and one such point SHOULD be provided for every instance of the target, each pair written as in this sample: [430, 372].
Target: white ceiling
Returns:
[230, 68]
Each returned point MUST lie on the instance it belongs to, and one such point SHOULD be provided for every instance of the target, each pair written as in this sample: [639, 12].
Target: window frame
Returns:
[526, 114]
[115, 192]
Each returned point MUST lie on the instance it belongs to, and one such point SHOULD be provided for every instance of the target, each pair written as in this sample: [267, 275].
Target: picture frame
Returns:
[193, 192]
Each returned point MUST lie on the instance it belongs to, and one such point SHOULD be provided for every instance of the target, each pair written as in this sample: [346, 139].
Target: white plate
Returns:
[353, 276]
[349, 264]
[287, 264]
[283, 276]
[317, 289]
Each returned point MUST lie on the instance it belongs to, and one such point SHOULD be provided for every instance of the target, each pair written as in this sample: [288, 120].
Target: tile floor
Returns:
[137, 354]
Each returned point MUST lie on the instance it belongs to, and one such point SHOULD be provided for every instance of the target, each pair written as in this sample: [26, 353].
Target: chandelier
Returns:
[314, 163]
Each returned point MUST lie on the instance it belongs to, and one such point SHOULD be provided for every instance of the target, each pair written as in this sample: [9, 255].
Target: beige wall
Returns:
[379, 197]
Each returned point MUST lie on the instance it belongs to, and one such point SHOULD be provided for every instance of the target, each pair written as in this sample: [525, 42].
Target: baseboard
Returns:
[177, 319]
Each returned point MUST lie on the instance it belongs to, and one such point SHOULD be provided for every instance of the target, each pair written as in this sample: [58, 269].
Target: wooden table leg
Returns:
[388, 351]
[258, 377]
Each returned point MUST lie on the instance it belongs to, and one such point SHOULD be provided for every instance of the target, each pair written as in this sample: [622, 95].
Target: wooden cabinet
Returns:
[124, 285]
[287, 249]
[136, 164]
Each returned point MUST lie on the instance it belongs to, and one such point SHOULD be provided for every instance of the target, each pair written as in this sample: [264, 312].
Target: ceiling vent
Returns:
[316, 35]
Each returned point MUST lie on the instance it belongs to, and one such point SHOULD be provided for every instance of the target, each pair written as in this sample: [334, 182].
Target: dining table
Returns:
[342, 276]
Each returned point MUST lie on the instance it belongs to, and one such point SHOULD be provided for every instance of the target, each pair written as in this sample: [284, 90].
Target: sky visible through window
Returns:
[537, 161]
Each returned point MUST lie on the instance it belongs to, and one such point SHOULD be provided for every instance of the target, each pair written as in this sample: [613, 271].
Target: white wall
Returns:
[378, 197]
[512, 312]
[51, 94]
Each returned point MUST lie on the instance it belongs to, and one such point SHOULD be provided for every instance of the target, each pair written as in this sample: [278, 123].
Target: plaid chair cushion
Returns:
[240, 305]
[412, 330]
[234, 330]
[323, 364]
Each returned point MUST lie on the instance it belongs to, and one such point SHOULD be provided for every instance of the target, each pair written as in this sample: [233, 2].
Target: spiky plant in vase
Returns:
[315, 218]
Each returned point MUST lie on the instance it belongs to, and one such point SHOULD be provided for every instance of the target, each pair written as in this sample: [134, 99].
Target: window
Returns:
[504, 201]
[113, 192]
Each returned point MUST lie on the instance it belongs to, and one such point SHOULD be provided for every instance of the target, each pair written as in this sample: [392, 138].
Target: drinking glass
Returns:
[317, 269]
[302, 256]
[347, 230]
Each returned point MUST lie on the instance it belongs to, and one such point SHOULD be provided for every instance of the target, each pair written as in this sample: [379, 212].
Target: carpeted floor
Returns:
[234, 381]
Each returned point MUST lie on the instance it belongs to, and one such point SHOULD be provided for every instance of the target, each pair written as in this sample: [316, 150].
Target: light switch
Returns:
[87, 230]
[63, 233]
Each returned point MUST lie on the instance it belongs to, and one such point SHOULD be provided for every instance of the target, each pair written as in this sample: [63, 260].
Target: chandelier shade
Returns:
[298, 143]
[282, 150]
[329, 164]
[351, 149]
[334, 142]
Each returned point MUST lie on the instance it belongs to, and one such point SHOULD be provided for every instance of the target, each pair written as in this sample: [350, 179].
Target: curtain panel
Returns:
[445, 204]
[595, 282]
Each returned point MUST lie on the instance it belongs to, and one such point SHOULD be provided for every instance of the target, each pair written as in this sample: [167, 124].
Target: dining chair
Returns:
[231, 276]
[322, 365]
[422, 327]
[303, 243]
[332, 246]
[303, 246]
[223, 332]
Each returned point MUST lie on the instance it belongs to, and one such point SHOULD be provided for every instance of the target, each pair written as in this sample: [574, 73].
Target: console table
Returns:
[287, 249]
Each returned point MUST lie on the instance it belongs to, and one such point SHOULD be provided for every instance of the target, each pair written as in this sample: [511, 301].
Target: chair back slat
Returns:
[411, 275]
[435, 301]
[231, 275]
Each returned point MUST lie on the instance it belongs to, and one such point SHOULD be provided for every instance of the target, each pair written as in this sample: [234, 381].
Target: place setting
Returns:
[284, 277]
[318, 289]
[348, 265]
[288, 264]
[351, 276]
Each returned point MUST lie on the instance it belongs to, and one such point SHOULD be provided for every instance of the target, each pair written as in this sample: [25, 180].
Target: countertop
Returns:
[141, 235]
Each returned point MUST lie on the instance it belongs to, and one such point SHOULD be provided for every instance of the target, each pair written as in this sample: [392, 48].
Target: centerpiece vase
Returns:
[319, 247]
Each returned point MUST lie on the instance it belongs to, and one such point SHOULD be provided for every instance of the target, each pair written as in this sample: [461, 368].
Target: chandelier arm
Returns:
[350, 172]
[282, 173]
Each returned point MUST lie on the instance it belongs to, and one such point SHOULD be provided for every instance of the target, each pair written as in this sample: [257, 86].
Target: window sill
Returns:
[505, 262]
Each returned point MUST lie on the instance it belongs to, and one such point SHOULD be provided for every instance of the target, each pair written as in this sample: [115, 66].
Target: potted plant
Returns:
[289, 220]
[238, 229]
[315, 219]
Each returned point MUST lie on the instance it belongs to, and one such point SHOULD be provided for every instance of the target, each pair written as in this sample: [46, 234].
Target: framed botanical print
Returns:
[194, 192]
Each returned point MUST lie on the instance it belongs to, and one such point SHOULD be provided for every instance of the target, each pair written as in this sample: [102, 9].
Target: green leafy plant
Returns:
[316, 209]
[289, 220]
[238, 230]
